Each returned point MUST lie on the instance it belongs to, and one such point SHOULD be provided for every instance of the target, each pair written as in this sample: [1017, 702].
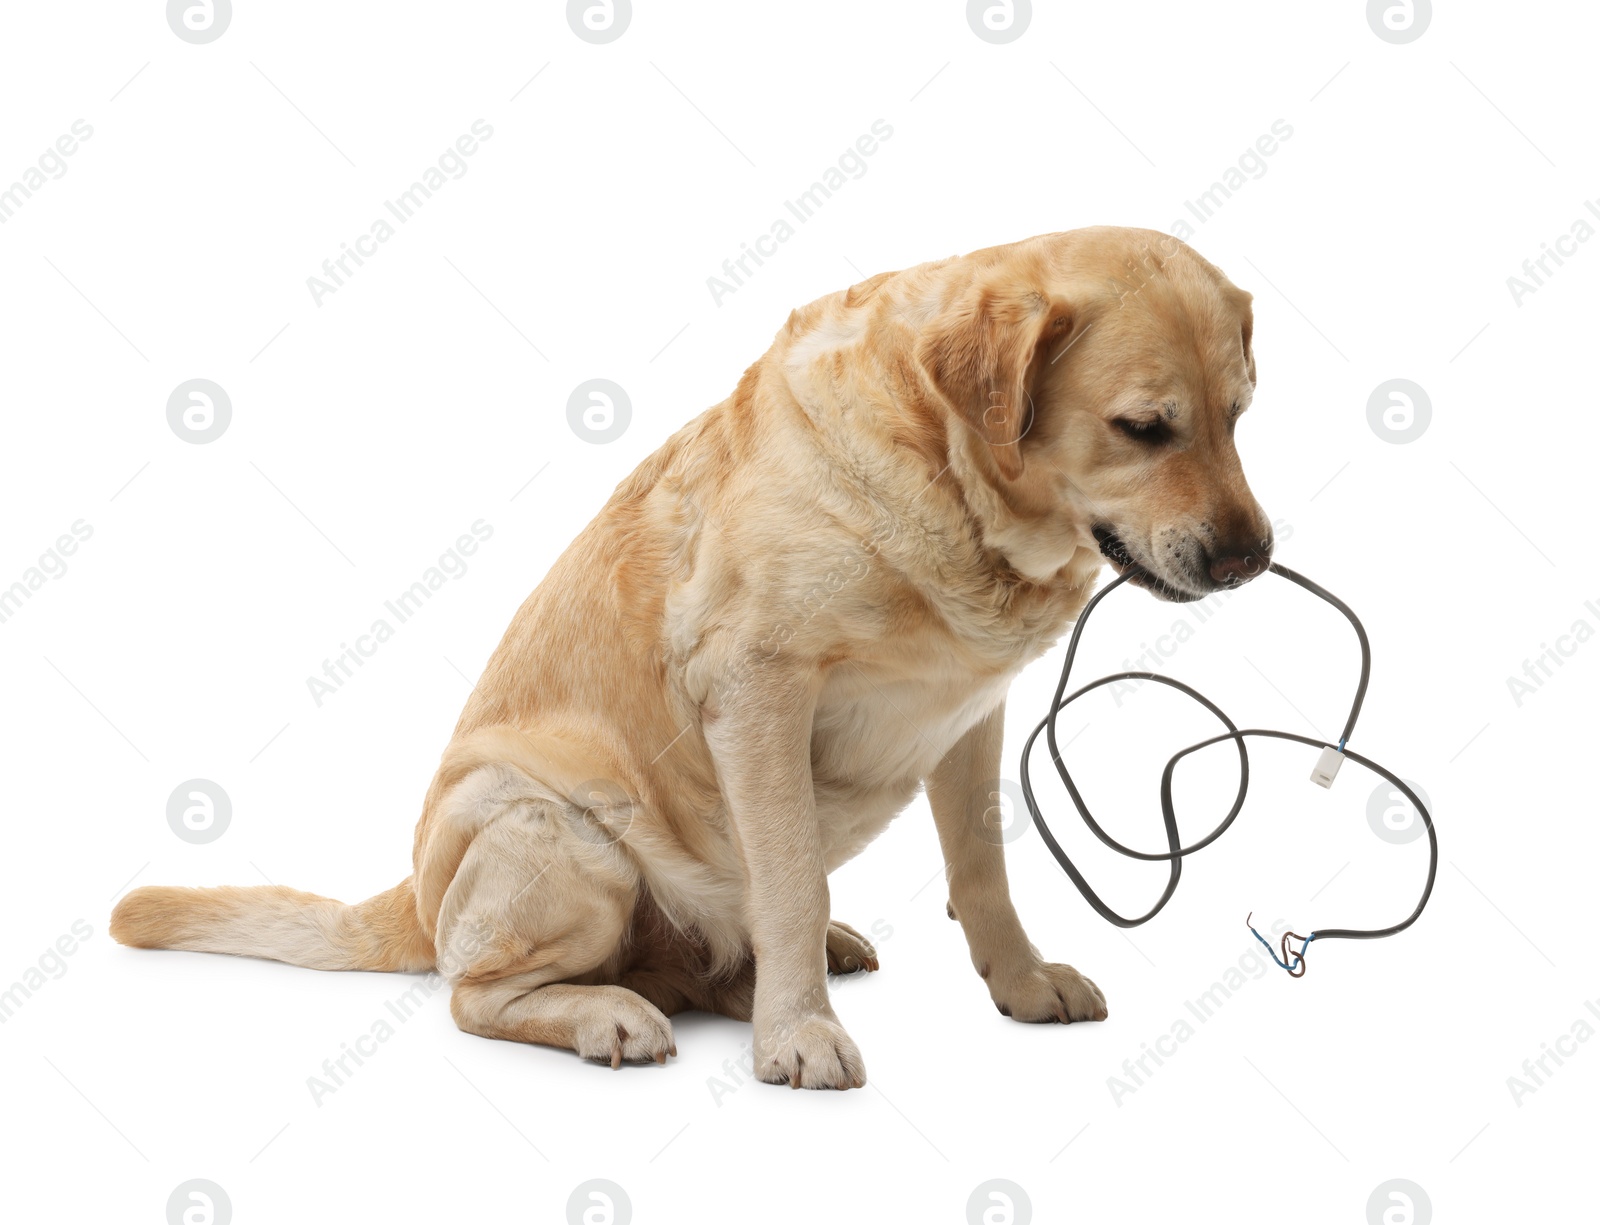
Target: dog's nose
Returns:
[1235, 570]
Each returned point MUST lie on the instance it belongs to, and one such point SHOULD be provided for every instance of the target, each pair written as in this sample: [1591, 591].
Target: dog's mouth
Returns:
[1116, 552]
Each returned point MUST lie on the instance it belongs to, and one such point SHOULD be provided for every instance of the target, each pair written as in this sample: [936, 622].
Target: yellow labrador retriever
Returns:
[805, 606]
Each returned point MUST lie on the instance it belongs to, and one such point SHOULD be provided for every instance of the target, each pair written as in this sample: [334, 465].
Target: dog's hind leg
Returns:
[530, 928]
[849, 952]
[604, 1023]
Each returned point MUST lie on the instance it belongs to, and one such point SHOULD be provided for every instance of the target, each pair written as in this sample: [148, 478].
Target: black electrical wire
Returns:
[1293, 960]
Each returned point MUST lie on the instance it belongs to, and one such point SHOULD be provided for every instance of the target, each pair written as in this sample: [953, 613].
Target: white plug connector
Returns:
[1327, 767]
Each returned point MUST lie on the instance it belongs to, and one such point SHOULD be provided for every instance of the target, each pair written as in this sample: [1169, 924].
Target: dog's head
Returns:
[1099, 376]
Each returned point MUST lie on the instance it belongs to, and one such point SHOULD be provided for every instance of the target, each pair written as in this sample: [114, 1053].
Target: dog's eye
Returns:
[1150, 431]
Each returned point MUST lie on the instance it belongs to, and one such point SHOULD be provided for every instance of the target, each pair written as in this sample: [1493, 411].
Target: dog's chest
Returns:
[875, 738]
[886, 718]
[875, 729]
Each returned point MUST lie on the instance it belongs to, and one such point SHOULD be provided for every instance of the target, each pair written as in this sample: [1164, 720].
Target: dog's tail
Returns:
[382, 933]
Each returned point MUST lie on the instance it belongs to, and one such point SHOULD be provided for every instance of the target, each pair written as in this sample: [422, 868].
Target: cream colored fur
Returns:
[807, 605]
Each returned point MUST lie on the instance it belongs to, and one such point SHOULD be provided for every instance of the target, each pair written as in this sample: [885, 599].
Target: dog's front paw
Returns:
[1046, 991]
[811, 1053]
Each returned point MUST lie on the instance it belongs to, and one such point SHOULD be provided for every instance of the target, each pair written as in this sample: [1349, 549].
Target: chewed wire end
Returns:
[1293, 961]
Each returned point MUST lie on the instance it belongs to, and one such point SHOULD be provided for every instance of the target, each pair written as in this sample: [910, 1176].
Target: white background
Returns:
[430, 391]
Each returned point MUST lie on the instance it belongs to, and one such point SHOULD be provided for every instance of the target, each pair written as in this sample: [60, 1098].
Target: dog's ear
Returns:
[985, 354]
[1246, 327]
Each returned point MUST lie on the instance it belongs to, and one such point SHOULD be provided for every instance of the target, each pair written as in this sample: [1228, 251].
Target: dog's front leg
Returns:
[760, 740]
[1021, 983]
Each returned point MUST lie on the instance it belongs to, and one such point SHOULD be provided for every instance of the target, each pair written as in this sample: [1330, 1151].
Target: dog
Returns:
[803, 608]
